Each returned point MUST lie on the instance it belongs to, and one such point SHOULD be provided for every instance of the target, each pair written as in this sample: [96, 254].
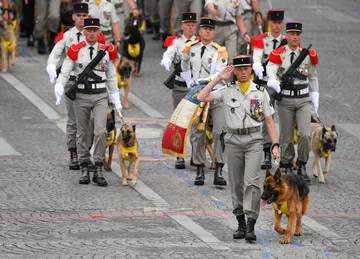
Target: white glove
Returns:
[115, 99]
[186, 75]
[274, 84]
[166, 62]
[51, 70]
[314, 101]
[59, 91]
[258, 69]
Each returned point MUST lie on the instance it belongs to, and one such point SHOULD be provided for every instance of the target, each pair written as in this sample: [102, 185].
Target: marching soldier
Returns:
[173, 55]
[263, 44]
[91, 96]
[229, 22]
[203, 59]
[246, 106]
[298, 97]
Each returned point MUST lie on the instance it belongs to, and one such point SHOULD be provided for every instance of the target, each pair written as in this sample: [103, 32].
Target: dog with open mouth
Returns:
[124, 71]
[288, 195]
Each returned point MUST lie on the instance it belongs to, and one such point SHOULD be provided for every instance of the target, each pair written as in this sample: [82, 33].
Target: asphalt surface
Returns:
[45, 213]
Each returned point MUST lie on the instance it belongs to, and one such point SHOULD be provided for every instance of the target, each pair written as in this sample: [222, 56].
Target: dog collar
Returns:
[280, 207]
[322, 152]
[129, 153]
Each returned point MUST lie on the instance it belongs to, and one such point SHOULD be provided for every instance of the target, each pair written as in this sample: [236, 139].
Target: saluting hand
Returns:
[226, 72]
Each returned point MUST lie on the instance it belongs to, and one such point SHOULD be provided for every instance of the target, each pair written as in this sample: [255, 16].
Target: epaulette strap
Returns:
[229, 84]
[223, 54]
[113, 54]
[313, 57]
[73, 51]
[189, 45]
[275, 57]
[260, 88]
[257, 41]
[60, 35]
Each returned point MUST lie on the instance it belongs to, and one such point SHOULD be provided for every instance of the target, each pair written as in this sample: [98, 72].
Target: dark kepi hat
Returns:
[276, 15]
[207, 22]
[242, 61]
[188, 17]
[294, 26]
[80, 8]
[91, 23]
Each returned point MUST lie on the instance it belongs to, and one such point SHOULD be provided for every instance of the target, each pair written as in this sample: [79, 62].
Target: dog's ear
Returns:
[277, 175]
[134, 127]
[323, 131]
[268, 173]
[333, 128]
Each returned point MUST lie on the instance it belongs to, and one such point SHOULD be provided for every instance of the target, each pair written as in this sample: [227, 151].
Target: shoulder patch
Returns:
[60, 35]
[257, 41]
[274, 56]
[313, 57]
[101, 38]
[189, 45]
[230, 84]
[260, 88]
[73, 51]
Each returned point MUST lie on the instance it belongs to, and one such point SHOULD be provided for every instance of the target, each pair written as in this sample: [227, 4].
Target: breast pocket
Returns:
[256, 109]
[233, 107]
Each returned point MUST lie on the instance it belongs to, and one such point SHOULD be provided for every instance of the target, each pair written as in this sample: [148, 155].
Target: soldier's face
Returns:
[206, 33]
[188, 28]
[92, 35]
[78, 18]
[242, 74]
[293, 38]
[276, 26]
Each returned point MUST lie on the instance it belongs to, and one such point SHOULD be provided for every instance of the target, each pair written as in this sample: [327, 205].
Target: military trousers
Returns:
[227, 35]
[42, 14]
[85, 105]
[289, 110]
[244, 153]
[198, 137]
[165, 7]
[178, 93]
[182, 6]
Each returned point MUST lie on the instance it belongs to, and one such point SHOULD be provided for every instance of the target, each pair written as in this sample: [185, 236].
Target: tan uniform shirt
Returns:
[229, 9]
[105, 69]
[244, 111]
[306, 68]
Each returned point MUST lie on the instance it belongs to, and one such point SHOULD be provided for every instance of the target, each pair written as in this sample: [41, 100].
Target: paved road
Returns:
[45, 213]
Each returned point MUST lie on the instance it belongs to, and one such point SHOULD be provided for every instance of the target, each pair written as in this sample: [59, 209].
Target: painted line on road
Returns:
[6, 149]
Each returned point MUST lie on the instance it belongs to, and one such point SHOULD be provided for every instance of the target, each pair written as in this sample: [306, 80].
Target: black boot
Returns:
[180, 163]
[267, 159]
[30, 41]
[302, 172]
[74, 163]
[41, 46]
[218, 178]
[250, 234]
[98, 177]
[287, 167]
[91, 166]
[85, 176]
[241, 231]
[51, 42]
[200, 177]
[149, 28]
[156, 35]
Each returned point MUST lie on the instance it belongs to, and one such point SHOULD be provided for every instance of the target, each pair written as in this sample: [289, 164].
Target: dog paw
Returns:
[129, 177]
[285, 240]
[297, 234]
[108, 169]
[124, 183]
[315, 175]
[134, 183]
[325, 172]
[321, 180]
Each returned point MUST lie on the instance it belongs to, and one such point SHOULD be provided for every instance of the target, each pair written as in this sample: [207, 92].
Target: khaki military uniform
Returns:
[226, 30]
[295, 103]
[106, 12]
[91, 101]
[263, 45]
[173, 53]
[42, 7]
[201, 67]
[244, 115]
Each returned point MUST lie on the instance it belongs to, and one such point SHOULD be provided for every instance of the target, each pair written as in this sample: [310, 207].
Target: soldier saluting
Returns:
[91, 96]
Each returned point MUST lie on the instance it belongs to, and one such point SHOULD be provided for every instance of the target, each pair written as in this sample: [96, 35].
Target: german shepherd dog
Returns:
[7, 45]
[110, 137]
[128, 150]
[124, 75]
[289, 195]
[134, 45]
[323, 142]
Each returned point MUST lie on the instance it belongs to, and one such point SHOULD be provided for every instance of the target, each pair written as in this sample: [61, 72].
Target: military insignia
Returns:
[256, 96]
[267, 44]
[192, 54]
[304, 69]
[232, 110]
[266, 55]
[210, 60]
[283, 57]
[81, 65]
[233, 100]
[71, 39]
[256, 110]
[107, 15]
[176, 140]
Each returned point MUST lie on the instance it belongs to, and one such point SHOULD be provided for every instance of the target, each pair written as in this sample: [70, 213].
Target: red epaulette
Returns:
[113, 54]
[257, 41]
[101, 38]
[60, 35]
[198, 38]
[313, 57]
[169, 40]
[274, 56]
[73, 51]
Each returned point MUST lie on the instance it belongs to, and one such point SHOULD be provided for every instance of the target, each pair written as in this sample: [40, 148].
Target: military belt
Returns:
[92, 91]
[107, 32]
[295, 93]
[244, 131]
[180, 83]
[226, 23]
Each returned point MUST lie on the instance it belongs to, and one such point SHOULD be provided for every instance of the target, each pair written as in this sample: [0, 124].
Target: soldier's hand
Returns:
[258, 69]
[135, 12]
[51, 70]
[218, 13]
[166, 62]
[59, 91]
[275, 153]
[274, 84]
[246, 37]
[226, 72]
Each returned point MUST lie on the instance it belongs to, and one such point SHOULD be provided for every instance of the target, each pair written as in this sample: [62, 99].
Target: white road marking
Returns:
[151, 112]
[6, 149]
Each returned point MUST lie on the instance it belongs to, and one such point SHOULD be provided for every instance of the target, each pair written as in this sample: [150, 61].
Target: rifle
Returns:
[288, 77]
[169, 83]
[87, 73]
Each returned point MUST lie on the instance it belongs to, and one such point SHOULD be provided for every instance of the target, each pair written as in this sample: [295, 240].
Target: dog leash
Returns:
[121, 117]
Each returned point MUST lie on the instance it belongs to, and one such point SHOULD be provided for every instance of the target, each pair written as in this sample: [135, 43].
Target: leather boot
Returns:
[98, 177]
[218, 178]
[149, 28]
[267, 159]
[302, 172]
[41, 46]
[156, 33]
[200, 176]
[73, 163]
[51, 42]
[250, 234]
[240, 233]
[287, 168]
[85, 176]
[180, 163]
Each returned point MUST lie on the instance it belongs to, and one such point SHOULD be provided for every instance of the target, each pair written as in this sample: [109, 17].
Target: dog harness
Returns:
[110, 138]
[281, 207]
[322, 152]
[129, 153]
[134, 49]
[8, 45]
[122, 80]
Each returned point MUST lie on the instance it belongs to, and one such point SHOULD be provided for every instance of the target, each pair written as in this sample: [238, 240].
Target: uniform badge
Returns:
[255, 96]
[107, 15]
[192, 54]
[256, 110]
[267, 44]
[232, 110]
[81, 65]
[210, 60]
[283, 57]
[304, 69]
[71, 39]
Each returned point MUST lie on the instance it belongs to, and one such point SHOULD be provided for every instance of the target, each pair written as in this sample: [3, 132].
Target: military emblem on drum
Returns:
[256, 110]
[176, 140]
